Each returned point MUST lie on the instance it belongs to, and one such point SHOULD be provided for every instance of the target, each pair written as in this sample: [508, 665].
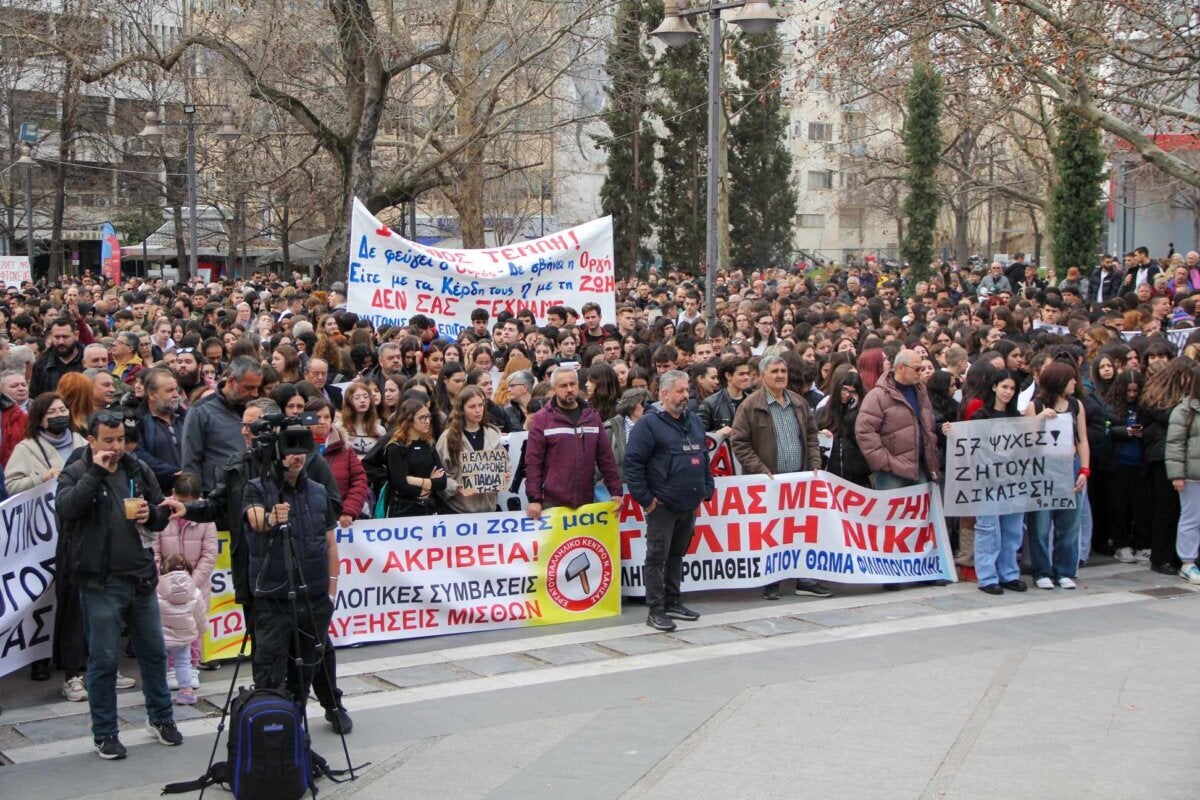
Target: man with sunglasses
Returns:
[107, 501]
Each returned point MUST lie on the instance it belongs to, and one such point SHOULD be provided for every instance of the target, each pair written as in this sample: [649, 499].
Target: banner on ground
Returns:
[427, 576]
[390, 279]
[757, 530]
[14, 270]
[28, 536]
[1006, 466]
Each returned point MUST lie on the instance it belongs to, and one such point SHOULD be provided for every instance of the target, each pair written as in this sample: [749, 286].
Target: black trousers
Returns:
[668, 535]
[1130, 511]
[1165, 516]
[274, 648]
[324, 680]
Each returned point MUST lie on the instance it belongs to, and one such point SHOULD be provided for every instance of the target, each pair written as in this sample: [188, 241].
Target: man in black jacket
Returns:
[667, 472]
[223, 505]
[290, 511]
[65, 354]
[107, 507]
[717, 410]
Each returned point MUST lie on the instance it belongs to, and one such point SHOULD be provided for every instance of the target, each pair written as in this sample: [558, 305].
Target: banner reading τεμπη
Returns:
[28, 536]
[1011, 465]
[427, 576]
[757, 530]
[390, 279]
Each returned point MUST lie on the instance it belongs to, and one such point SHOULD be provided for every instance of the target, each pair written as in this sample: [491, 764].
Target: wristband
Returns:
[1085, 472]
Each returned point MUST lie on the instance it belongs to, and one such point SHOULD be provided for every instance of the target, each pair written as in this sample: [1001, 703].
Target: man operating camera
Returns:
[290, 528]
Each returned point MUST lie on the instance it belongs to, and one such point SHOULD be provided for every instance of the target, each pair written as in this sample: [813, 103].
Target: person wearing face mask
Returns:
[48, 442]
[160, 429]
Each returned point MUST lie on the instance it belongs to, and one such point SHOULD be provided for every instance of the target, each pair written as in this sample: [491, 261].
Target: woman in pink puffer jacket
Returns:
[183, 612]
[196, 542]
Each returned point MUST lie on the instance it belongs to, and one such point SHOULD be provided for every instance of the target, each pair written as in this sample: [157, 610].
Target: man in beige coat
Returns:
[774, 433]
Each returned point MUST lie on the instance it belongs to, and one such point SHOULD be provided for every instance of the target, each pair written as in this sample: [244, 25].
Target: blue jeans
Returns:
[104, 610]
[1064, 562]
[1086, 524]
[882, 481]
[997, 539]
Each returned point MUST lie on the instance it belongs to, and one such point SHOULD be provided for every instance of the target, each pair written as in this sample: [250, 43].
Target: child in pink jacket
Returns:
[183, 613]
[196, 542]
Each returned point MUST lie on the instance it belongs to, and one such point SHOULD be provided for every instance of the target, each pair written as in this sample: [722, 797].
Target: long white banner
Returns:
[1005, 466]
[757, 530]
[29, 536]
[390, 279]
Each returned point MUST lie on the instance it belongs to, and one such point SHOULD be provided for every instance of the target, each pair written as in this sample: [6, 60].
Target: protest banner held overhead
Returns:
[390, 279]
[1006, 466]
[28, 537]
[14, 270]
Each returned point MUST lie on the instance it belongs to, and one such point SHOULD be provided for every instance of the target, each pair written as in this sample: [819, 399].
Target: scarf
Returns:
[64, 444]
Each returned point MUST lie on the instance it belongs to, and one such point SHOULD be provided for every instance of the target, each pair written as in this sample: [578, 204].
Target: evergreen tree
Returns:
[629, 183]
[923, 143]
[762, 202]
[1076, 213]
[681, 196]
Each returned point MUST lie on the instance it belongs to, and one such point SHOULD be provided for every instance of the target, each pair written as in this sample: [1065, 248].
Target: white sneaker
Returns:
[1190, 573]
[1066, 583]
[1044, 583]
[195, 680]
[125, 682]
[1142, 555]
[1125, 555]
[172, 681]
[74, 690]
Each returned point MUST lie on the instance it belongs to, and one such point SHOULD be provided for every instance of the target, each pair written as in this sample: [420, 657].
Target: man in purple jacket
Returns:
[566, 445]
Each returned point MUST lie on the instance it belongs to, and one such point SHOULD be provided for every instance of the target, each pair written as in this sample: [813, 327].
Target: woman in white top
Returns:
[48, 442]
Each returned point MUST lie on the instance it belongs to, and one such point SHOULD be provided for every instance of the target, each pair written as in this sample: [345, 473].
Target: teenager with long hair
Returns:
[1056, 384]
[1162, 393]
[360, 419]
[836, 419]
[467, 431]
[414, 471]
[1129, 514]
[998, 537]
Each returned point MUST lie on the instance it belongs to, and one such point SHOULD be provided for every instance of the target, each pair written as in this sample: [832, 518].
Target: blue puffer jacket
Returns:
[666, 459]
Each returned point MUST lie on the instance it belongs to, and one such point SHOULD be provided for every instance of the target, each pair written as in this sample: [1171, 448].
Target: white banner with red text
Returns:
[757, 530]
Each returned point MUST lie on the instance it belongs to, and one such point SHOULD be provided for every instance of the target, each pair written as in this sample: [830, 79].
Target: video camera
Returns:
[278, 435]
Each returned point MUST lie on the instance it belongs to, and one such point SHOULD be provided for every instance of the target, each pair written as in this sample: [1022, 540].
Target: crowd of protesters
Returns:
[859, 373]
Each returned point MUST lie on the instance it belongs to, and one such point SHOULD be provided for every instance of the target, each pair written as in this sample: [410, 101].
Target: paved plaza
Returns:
[931, 692]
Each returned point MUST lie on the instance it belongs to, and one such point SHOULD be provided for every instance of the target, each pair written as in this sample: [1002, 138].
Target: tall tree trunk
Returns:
[723, 181]
[285, 233]
[962, 227]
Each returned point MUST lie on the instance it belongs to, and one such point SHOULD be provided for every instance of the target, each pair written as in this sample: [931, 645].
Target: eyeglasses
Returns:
[185, 351]
[423, 418]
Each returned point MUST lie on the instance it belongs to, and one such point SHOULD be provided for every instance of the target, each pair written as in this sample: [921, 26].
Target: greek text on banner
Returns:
[390, 279]
[757, 530]
[1006, 466]
[427, 576]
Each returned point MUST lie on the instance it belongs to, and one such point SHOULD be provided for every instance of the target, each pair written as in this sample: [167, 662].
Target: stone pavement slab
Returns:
[568, 654]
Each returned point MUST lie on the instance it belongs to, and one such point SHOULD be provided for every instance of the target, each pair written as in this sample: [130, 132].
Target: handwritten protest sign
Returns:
[29, 536]
[1005, 466]
[390, 279]
[484, 470]
[14, 270]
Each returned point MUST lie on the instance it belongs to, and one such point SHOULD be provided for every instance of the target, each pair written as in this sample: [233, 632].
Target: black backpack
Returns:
[269, 756]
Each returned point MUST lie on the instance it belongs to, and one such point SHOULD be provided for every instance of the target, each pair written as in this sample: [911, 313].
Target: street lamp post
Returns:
[756, 16]
[228, 131]
[26, 161]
